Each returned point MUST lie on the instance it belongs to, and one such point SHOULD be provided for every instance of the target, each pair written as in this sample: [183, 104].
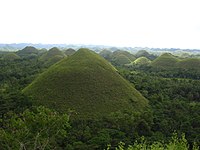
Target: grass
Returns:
[142, 61]
[87, 84]
[11, 56]
[189, 63]
[165, 61]
[51, 54]
[125, 53]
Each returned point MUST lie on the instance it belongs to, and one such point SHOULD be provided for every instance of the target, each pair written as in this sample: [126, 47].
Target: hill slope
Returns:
[125, 53]
[11, 57]
[28, 51]
[189, 63]
[165, 61]
[51, 53]
[52, 56]
[142, 61]
[87, 84]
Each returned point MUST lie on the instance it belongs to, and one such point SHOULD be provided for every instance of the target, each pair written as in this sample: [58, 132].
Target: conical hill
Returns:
[86, 83]
[189, 63]
[142, 61]
[52, 53]
[165, 61]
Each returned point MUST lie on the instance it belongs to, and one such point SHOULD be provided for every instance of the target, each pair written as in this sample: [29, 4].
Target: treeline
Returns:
[174, 102]
[174, 107]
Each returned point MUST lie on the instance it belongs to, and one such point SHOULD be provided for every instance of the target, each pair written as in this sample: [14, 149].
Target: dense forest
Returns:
[171, 120]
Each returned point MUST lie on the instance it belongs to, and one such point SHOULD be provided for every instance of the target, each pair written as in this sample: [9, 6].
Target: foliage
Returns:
[175, 143]
[166, 61]
[173, 95]
[40, 128]
[174, 102]
[87, 84]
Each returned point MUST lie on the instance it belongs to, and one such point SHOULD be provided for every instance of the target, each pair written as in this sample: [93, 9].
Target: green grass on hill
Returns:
[11, 57]
[165, 61]
[125, 53]
[142, 61]
[69, 52]
[51, 53]
[120, 60]
[28, 50]
[86, 83]
[189, 63]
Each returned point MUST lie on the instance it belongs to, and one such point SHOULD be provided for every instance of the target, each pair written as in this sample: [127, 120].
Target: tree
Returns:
[40, 128]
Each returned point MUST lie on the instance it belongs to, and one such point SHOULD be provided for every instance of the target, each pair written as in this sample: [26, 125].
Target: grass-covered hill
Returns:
[52, 56]
[28, 51]
[69, 51]
[125, 53]
[120, 60]
[142, 61]
[51, 53]
[11, 57]
[165, 61]
[86, 83]
[144, 53]
[106, 54]
[189, 63]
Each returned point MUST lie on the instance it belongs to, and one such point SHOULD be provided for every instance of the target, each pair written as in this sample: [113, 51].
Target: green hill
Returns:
[106, 54]
[165, 61]
[69, 52]
[125, 53]
[86, 83]
[120, 60]
[189, 63]
[11, 57]
[142, 61]
[144, 53]
[51, 53]
[28, 51]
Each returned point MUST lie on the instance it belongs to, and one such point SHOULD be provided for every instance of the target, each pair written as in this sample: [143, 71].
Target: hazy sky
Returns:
[151, 23]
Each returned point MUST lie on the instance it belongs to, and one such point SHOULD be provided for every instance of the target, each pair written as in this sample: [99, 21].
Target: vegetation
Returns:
[189, 63]
[28, 52]
[165, 61]
[175, 143]
[125, 53]
[171, 120]
[142, 61]
[11, 57]
[52, 53]
[144, 53]
[69, 52]
[39, 128]
[87, 84]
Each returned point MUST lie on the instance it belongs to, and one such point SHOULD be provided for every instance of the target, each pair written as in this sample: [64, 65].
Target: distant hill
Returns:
[142, 61]
[120, 60]
[11, 57]
[52, 56]
[189, 63]
[165, 61]
[125, 53]
[28, 51]
[69, 51]
[51, 53]
[144, 53]
[106, 54]
[86, 83]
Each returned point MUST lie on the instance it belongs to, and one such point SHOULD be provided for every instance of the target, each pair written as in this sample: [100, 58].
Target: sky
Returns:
[134, 23]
